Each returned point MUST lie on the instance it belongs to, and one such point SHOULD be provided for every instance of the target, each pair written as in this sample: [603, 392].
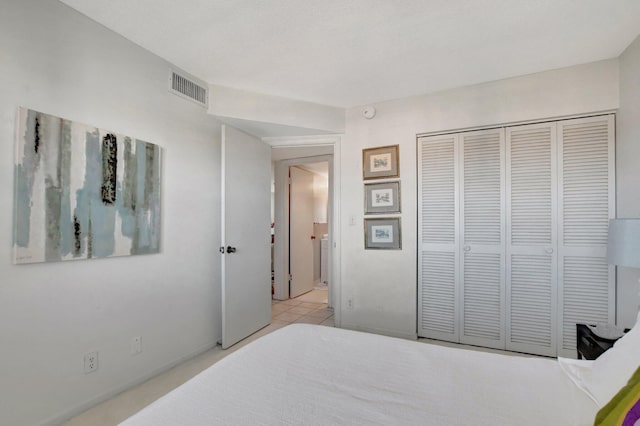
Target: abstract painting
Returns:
[83, 192]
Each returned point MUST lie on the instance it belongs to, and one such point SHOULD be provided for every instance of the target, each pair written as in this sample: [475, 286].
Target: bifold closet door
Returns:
[586, 169]
[482, 212]
[513, 226]
[438, 228]
[531, 248]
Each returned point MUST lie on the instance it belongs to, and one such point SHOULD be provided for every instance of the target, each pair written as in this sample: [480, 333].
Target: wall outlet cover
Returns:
[90, 362]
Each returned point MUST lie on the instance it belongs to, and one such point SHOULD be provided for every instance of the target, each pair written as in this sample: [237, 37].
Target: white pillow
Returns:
[613, 369]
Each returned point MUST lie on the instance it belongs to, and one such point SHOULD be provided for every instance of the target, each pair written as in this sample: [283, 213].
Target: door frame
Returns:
[281, 207]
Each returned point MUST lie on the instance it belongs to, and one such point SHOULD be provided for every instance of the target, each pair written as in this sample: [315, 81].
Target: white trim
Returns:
[281, 231]
[613, 214]
[60, 418]
[281, 213]
[223, 226]
[383, 332]
[295, 141]
[516, 123]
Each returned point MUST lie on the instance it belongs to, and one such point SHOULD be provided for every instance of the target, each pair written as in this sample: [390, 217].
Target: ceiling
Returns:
[321, 169]
[346, 53]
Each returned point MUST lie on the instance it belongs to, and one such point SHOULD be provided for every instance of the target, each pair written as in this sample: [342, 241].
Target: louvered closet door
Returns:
[482, 181]
[531, 280]
[586, 201]
[438, 231]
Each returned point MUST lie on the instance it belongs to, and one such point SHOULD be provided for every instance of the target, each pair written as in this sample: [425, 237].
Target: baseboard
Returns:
[390, 333]
[68, 414]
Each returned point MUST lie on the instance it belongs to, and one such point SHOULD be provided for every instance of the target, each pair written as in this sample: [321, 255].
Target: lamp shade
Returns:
[623, 248]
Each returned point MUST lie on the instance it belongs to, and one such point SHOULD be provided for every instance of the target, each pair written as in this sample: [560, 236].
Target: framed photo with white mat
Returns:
[382, 197]
[380, 162]
[382, 233]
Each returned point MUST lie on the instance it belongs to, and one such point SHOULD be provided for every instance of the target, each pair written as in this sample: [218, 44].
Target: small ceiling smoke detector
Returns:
[369, 112]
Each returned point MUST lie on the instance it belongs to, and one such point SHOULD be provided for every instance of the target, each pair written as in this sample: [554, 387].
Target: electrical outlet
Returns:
[136, 345]
[90, 362]
[349, 303]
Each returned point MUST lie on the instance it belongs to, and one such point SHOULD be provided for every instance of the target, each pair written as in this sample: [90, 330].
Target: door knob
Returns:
[467, 248]
[549, 250]
[231, 249]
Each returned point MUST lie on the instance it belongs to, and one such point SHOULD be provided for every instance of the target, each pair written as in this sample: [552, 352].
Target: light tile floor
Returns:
[120, 407]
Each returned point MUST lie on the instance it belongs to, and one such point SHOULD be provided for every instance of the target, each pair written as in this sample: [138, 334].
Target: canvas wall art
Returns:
[83, 192]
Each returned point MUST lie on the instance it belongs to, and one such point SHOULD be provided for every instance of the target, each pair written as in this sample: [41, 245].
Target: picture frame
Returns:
[382, 234]
[380, 162]
[382, 197]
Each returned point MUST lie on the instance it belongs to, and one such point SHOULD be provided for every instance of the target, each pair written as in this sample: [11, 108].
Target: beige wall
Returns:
[628, 172]
[383, 284]
[57, 61]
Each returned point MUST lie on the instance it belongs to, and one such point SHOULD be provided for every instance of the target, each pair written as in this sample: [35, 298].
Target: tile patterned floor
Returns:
[295, 311]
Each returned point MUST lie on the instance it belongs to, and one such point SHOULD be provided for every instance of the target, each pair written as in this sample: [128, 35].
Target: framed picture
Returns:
[82, 192]
[382, 197]
[380, 162]
[383, 233]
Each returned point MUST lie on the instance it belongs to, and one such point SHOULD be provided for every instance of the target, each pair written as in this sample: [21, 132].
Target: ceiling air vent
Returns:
[187, 88]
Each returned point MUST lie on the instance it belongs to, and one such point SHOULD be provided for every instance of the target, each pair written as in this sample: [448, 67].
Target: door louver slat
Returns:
[531, 300]
[585, 177]
[438, 192]
[482, 304]
[587, 293]
[482, 219]
[482, 189]
[438, 292]
[437, 217]
[531, 283]
[531, 186]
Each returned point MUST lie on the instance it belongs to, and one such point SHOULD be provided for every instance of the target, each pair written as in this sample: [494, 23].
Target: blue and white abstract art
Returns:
[83, 192]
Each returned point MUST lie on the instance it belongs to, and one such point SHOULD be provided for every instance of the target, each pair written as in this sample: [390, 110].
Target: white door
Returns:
[586, 166]
[482, 293]
[300, 231]
[438, 255]
[246, 240]
[532, 241]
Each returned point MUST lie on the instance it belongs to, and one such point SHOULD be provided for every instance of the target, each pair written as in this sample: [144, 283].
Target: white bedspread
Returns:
[310, 375]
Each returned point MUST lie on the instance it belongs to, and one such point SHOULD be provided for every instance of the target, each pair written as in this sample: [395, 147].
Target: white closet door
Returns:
[438, 231]
[482, 180]
[531, 280]
[586, 201]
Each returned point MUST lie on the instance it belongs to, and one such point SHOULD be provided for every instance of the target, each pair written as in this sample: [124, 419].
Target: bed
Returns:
[312, 375]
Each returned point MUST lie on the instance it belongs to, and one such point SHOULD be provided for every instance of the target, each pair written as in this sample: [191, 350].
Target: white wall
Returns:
[383, 284]
[320, 198]
[628, 172]
[57, 61]
[255, 107]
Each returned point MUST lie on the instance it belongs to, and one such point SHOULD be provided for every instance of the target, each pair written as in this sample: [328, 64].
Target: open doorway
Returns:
[299, 267]
[296, 151]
